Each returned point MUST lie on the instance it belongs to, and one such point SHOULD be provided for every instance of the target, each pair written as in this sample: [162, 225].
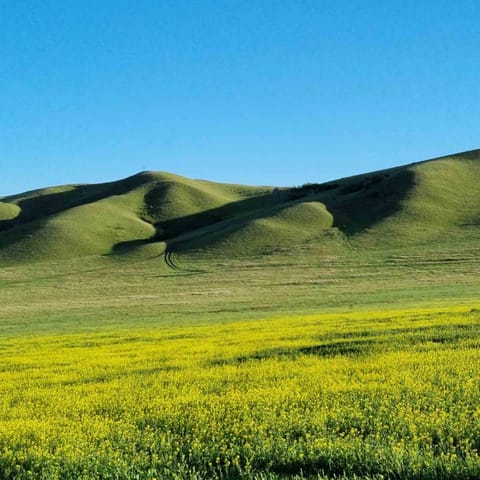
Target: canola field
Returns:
[392, 394]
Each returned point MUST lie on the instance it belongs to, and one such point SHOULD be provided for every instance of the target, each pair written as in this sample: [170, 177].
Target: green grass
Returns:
[8, 211]
[82, 220]
[420, 204]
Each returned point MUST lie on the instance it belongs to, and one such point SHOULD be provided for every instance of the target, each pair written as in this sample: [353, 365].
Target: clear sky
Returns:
[262, 92]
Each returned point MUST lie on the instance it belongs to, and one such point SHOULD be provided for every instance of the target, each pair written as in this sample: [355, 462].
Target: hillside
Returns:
[422, 203]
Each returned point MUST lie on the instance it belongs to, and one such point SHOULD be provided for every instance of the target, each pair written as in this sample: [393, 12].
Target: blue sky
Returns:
[260, 92]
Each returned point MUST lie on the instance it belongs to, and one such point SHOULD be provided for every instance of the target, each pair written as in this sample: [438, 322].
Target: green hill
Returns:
[419, 204]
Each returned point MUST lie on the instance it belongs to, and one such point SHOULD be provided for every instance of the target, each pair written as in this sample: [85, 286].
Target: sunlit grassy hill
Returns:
[427, 202]
[79, 220]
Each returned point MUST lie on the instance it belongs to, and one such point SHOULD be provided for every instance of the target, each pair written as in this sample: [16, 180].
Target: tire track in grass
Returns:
[169, 260]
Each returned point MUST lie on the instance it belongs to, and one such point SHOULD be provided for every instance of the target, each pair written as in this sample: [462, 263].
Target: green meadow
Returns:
[160, 327]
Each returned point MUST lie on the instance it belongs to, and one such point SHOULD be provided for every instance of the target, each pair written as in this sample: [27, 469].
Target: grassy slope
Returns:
[430, 202]
[8, 211]
[442, 205]
[76, 221]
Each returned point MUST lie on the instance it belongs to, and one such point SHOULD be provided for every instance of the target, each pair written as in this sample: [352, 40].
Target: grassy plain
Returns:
[291, 365]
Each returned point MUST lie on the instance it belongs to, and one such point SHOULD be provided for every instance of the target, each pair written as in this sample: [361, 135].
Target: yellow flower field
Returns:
[373, 395]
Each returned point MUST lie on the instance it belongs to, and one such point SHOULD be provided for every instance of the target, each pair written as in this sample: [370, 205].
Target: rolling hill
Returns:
[435, 201]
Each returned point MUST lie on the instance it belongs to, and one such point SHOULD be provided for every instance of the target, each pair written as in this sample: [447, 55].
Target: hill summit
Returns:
[431, 201]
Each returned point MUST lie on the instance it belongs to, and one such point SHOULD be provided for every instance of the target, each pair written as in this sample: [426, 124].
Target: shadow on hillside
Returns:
[44, 205]
[356, 203]
[200, 224]
[36, 210]
[364, 201]
[176, 227]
